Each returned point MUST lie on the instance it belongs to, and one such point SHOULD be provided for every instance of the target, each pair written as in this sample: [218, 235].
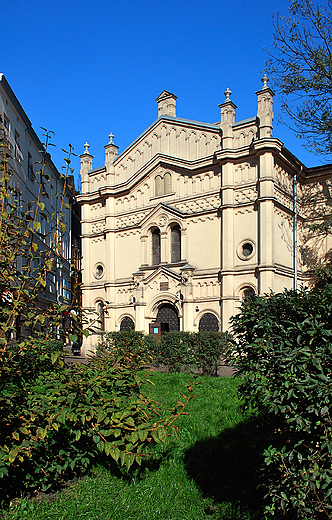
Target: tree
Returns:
[301, 71]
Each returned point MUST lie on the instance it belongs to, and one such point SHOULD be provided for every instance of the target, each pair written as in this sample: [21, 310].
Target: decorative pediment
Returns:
[167, 274]
[161, 215]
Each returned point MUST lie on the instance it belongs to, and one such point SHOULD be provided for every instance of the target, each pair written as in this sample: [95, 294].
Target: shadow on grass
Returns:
[227, 468]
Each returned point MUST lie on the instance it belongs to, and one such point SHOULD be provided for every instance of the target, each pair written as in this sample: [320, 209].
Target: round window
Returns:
[247, 249]
[99, 271]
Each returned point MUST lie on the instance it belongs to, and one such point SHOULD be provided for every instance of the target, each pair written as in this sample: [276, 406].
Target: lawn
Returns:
[209, 472]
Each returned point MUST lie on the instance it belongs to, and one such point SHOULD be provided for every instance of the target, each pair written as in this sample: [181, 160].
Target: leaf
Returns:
[36, 225]
[73, 337]
[115, 453]
[143, 434]
[162, 434]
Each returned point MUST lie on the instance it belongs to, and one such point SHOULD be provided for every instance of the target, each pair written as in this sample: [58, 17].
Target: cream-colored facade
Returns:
[188, 220]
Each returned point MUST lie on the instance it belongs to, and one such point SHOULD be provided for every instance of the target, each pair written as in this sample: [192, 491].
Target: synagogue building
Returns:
[193, 217]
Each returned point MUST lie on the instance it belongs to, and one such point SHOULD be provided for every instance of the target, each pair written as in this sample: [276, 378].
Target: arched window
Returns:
[155, 246]
[163, 185]
[247, 292]
[101, 315]
[176, 244]
[159, 186]
[127, 323]
[167, 183]
[208, 322]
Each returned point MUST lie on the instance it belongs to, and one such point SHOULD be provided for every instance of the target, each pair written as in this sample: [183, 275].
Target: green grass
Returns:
[208, 473]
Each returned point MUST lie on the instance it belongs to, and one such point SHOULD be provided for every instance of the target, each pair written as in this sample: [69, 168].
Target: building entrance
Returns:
[168, 318]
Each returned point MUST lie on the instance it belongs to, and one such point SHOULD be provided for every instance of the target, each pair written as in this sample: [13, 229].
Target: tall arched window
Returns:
[163, 185]
[176, 243]
[159, 186]
[155, 246]
[167, 183]
[101, 315]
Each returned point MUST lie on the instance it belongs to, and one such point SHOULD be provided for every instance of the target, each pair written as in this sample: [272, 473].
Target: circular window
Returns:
[99, 271]
[246, 249]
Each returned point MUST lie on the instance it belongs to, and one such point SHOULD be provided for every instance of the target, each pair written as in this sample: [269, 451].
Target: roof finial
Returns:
[264, 80]
[111, 138]
[86, 146]
[227, 93]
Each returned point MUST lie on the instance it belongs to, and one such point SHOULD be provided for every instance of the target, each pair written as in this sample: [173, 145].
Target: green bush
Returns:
[284, 350]
[176, 351]
[184, 351]
[69, 418]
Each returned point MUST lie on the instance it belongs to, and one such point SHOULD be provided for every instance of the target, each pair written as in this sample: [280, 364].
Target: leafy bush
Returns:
[175, 351]
[178, 351]
[284, 350]
[72, 417]
[183, 351]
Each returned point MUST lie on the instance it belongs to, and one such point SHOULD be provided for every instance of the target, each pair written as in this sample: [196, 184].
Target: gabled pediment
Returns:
[166, 272]
[161, 215]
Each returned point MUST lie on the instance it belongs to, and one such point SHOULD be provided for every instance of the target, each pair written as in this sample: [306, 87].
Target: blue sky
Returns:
[84, 69]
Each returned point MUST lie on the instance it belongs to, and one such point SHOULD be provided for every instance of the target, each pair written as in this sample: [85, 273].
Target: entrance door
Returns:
[168, 318]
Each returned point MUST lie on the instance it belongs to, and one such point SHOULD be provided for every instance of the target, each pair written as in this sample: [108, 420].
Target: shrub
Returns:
[72, 417]
[283, 349]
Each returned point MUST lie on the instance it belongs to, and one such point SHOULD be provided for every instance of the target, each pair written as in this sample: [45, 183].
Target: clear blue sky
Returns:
[83, 69]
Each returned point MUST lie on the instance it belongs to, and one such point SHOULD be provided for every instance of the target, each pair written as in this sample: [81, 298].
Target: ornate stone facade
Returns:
[189, 219]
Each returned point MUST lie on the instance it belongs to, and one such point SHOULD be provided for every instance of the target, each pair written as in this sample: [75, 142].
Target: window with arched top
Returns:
[208, 322]
[247, 292]
[127, 323]
[101, 315]
[159, 186]
[175, 243]
[156, 247]
[163, 184]
[167, 183]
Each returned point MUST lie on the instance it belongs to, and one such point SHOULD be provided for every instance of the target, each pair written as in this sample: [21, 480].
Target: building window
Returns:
[18, 153]
[31, 173]
[163, 185]
[246, 249]
[247, 292]
[155, 246]
[158, 186]
[101, 315]
[208, 322]
[167, 183]
[127, 323]
[175, 244]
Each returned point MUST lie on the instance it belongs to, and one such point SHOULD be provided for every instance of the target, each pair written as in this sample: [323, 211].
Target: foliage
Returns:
[28, 257]
[182, 351]
[68, 419]
[178, 351]
[207, 473]
[56, 420]
[301, 68]
[283, 348]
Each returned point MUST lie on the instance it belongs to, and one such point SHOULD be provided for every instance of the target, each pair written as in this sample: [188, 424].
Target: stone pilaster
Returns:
[86, 166]
[227, 244]
[227, 118]
[265, 109]
[111, 153]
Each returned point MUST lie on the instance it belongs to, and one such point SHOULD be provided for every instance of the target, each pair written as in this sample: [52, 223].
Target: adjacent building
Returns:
[26, 154]
[193, 217]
